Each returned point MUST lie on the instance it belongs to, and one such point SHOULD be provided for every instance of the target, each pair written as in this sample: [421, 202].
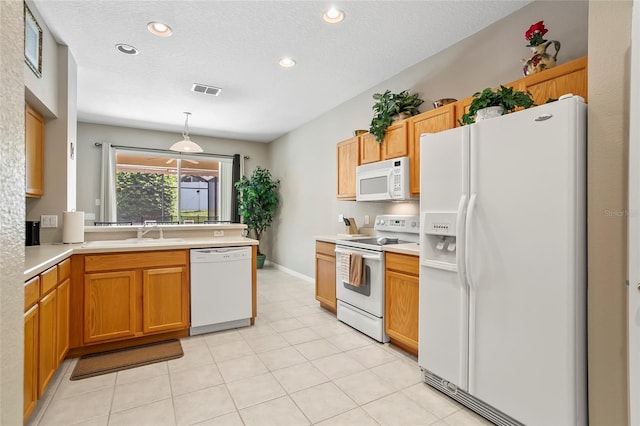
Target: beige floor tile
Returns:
[372, 355]
[193, 357]
[144, 372]
[338, 365]
[301, 335]
[466, 418]
[193, 379]
[202, 405]
[322, 402]
[281, 358]
[155, 414]
[227, 351]
[267, 343]
[69, 388]
[142, 392]
[192, 342]
[364, 386]
[286, 325]
[332, 327]
[222, 337]
[316, 349]
[277, 412]
[96, 421]
[432, 400]
[350, 340]
[397, 409]
[317, 319]
[78, 408]
[399, 374]
[240, 368]
[231, 419]
[355, 417]
[255, 390]
[300, 376]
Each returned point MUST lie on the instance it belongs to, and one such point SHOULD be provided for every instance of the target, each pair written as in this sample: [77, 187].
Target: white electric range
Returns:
[362, 307]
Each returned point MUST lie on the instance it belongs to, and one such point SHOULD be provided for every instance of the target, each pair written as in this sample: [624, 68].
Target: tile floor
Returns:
[297, 366]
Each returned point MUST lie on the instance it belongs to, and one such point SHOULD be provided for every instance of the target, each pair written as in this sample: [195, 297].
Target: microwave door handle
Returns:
[390, 183]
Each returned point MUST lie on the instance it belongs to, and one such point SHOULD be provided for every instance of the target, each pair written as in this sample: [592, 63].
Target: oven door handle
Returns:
[371, 257]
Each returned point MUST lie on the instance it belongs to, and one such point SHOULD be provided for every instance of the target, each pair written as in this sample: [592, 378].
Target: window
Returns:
[172, 188]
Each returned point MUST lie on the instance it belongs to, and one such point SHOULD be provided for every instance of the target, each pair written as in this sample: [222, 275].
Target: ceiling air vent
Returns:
[208, 90]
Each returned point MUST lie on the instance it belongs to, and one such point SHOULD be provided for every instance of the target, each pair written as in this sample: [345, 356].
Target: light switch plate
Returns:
[48, 221]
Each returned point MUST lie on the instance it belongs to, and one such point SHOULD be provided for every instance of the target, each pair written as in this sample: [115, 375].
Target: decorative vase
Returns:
[400, 116]
[489, 112]
[261, 258]
[540, 60]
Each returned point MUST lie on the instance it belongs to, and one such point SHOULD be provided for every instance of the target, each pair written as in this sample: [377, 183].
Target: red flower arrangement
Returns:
[535, 34]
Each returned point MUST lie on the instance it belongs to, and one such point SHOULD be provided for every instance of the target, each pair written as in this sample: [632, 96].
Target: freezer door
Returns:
[526, 263]
[443, 295]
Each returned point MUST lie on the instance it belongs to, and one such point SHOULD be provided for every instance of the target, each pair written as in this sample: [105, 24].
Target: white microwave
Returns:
[383, 180]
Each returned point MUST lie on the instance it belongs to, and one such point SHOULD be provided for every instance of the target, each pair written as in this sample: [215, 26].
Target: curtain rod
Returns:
[168, 151]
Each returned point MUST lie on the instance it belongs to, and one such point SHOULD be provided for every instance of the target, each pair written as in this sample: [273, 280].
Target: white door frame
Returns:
[634, 223]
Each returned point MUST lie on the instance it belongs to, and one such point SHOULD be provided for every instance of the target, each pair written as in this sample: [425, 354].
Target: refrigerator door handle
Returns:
[460, 240]
[467, 239]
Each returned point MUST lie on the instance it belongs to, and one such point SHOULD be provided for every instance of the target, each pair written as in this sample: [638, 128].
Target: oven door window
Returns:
[365, 287]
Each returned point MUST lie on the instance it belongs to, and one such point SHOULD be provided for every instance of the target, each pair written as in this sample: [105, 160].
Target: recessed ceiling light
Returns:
[333, 15]
[286, 62]
[159, 29]
[126, 49]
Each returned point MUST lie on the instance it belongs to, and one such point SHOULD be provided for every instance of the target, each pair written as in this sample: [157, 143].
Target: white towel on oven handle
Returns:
[345, 269]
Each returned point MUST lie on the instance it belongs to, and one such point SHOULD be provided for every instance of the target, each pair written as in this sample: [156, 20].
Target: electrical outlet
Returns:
[366, 219]
[98, 201]
[89, 216]
[218, 233]
[341, 218]
[49, 221]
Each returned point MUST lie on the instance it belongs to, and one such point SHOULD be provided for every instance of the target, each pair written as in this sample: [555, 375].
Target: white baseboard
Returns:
[292, 272]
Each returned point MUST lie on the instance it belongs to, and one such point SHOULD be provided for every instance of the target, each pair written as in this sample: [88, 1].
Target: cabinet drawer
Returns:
[49, 280]
[134, 260]
[403, 263]
[31, 292]
[64, 270]
[326, 248]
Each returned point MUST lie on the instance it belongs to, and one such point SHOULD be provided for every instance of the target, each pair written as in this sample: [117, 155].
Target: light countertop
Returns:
[40, 258]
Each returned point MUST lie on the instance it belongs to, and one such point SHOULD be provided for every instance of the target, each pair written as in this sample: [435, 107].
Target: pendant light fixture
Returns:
[186, 145]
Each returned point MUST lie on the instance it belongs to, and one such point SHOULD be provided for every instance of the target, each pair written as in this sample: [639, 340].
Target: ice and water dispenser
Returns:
[438, 242]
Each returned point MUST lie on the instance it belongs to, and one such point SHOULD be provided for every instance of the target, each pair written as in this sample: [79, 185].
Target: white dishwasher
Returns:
[220, 289]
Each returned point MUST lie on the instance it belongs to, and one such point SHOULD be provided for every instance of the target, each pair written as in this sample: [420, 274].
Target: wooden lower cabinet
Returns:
[123, 302]
[63, 298]
[48, 355]
[109, 305]
[401, 317]
[31, 326]
[165, 292]
[326, 275]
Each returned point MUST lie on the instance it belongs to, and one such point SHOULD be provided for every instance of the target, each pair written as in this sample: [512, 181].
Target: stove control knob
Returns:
[381, 222]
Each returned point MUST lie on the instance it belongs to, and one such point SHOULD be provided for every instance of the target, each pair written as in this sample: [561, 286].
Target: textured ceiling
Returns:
[236, 45]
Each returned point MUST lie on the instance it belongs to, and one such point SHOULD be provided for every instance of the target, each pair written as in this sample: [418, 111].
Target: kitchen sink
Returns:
[133, 241]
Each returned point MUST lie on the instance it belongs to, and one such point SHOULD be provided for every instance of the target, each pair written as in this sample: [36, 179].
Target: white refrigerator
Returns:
[503, 265]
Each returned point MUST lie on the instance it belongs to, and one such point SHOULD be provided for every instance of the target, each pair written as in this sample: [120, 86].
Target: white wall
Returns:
[305, 159]
[12, 215]
[89, 156]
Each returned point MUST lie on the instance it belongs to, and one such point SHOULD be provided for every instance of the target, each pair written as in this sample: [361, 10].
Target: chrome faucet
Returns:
[147, 227]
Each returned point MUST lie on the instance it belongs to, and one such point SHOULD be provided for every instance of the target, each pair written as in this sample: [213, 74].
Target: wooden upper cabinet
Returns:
[570, 77]
[433, 121]
[395, 141]
[370, 149]
[348, 156]
[34, 152]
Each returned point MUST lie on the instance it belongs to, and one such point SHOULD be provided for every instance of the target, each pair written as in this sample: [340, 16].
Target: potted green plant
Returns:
[257, 203]
[390, 107]
[504, 97]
